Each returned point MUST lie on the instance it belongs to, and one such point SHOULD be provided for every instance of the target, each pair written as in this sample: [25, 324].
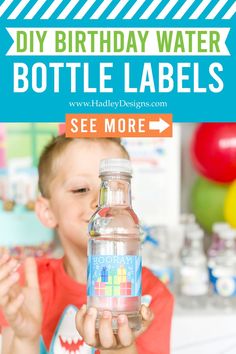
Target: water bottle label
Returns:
[223, 284]
[210, 270]
[116, 276]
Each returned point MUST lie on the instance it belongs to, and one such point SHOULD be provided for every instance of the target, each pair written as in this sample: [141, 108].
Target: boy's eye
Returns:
[81, 190]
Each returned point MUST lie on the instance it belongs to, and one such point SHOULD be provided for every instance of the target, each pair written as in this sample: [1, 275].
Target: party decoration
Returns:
[2, 146]
[214, 151]
[230, 205]
[207, 202]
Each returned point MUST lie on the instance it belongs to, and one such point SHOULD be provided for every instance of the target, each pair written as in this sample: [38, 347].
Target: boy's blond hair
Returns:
[47, 161]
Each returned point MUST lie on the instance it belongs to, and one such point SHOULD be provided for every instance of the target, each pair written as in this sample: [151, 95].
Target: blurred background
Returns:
[184, 192]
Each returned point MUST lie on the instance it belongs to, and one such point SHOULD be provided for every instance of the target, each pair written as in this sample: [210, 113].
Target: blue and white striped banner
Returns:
[113, 9]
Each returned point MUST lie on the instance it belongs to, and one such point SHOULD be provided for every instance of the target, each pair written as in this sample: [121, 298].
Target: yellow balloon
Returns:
[230, 205]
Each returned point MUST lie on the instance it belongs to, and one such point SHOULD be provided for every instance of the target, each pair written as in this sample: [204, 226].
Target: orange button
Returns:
[118, 125]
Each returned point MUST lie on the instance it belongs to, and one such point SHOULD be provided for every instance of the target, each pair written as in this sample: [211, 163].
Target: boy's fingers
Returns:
[147, 317]
[4, 257]
[107, 339]
[85, 324]
[125, 334]
[7, 268]
[4, 300]
[13, 306]
[31, 273]
[14, 290]
[147, 314]
[15, 315]
[6, 285]
[79, 320]
[89, 327]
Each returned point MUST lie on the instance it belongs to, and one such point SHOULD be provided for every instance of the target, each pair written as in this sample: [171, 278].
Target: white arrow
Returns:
[160, 125]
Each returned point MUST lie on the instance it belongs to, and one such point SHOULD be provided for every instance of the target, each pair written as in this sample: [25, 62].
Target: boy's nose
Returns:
[94, 199]
[94, 204]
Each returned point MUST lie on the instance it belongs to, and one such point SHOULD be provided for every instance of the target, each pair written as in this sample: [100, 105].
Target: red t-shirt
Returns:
[61, 296]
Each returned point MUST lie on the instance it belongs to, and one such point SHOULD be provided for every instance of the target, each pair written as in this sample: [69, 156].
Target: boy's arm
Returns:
[14, 345]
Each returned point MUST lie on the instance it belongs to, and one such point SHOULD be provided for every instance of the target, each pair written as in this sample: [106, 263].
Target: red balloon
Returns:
[213, 151]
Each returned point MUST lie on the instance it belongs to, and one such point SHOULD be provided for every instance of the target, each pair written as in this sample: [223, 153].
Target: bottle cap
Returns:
[228, 234]
[192, 227]
[220, 226]
[187, 219]
[196, 234]
[122, 166]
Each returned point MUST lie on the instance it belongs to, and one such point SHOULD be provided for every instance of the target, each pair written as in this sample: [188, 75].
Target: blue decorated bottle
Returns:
[114, 257]
[223, 274]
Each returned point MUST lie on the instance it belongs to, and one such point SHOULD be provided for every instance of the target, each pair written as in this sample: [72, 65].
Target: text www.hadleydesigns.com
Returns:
[118, 104]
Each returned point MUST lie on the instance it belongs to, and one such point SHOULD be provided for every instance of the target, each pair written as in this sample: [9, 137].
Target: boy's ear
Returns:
[44, 212]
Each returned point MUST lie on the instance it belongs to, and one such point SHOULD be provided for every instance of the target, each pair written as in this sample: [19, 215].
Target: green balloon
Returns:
[207, 202]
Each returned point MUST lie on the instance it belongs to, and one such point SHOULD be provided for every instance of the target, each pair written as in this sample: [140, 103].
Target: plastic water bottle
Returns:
[223, 274]
[149, 244]
[186, 219]
[159, 257]
[193, 272]
[217, 244]
[187, 240]
[114, 258]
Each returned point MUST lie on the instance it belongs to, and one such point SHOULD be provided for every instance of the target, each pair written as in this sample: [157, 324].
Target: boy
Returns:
[41, 301]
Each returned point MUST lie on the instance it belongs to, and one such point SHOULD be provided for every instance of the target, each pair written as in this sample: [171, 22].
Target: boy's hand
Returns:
[21, 306]
[105, 338]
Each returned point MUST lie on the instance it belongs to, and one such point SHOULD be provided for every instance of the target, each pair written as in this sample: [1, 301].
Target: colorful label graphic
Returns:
[114, 276]
[224, 284]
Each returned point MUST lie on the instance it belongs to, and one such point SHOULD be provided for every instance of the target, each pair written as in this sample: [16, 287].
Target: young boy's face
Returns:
[75, 189]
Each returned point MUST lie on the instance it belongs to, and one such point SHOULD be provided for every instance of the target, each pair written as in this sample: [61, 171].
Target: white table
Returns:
[207, 331]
